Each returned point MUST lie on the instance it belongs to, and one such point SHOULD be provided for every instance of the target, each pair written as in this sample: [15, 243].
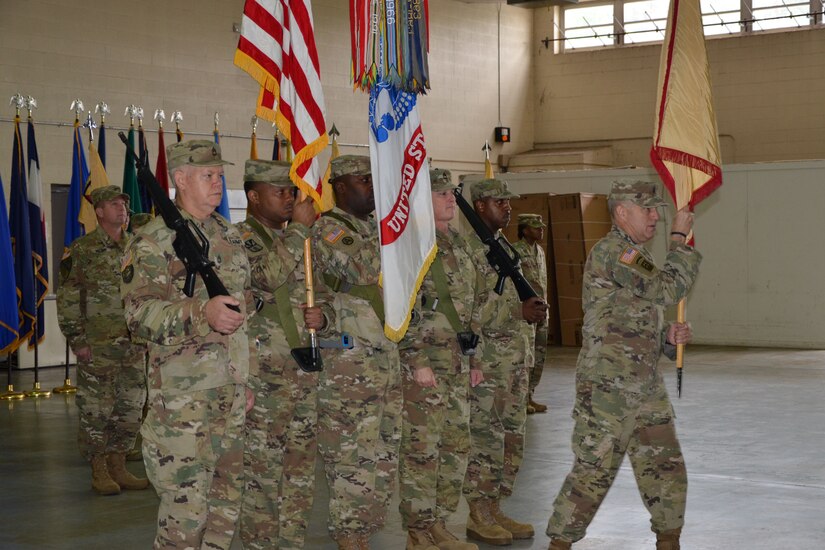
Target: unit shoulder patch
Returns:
[253, 245]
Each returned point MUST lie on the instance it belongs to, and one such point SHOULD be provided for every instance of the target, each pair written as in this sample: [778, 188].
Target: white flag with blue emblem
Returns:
[403, 203]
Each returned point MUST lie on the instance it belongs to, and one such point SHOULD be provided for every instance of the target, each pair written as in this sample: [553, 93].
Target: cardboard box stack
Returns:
[577, 221]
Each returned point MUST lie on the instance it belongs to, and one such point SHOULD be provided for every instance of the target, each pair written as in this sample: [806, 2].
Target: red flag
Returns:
[161, 172]
[277, 48]
[685, 148]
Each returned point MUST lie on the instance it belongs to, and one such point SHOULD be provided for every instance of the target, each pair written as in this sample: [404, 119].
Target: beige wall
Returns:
[178, 56]
[768, 92]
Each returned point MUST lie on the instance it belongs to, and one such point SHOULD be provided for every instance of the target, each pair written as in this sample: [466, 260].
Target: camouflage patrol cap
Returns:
[108, 193]
[141, 219]
[646, 194]
[491, 188]
[441, 180]
[531, 220]
[349, 165]
[274, 172]
[197, 152]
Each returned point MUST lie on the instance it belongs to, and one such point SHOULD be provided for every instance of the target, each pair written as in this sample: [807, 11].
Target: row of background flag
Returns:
[24, 273]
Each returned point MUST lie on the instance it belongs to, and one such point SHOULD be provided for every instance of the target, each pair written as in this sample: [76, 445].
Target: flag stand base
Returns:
[10, 394]
[66, 387]
[37, 392]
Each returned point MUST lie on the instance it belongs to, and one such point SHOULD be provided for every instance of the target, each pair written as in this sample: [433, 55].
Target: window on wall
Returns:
[610, 23]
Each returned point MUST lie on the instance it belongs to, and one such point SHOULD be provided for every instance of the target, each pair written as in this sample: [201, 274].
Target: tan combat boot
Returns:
[519, 530]
[668, 540]
[419, 539]
[444, 540]
[556, 544]
[537, 407]
[102, 482]
[482, 526]
[351, 542]
[116, 463]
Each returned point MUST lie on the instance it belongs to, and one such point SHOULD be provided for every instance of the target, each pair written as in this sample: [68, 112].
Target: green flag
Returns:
[130, 183]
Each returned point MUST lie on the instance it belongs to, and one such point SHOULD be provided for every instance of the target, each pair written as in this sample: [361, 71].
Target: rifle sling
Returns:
[283, 307]
[445, 301]
[370, 293]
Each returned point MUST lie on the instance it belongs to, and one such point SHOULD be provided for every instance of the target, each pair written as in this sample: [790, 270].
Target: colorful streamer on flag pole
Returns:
[685, 149]
[389, 52]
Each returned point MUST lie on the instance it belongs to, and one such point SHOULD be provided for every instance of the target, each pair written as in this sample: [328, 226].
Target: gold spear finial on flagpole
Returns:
[130, 112]
[139, 115]
[254, 123]
[77, 107]
[216, 120]
[103, 109]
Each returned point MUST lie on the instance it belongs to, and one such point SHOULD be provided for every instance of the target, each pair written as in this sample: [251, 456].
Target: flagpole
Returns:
[10, 394]
[67, 383]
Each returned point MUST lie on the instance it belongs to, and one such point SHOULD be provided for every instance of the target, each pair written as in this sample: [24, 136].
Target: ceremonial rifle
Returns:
[502, 256]
[190, 244]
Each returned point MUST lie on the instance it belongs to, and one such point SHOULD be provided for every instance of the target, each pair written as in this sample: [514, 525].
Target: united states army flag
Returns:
[403, 204]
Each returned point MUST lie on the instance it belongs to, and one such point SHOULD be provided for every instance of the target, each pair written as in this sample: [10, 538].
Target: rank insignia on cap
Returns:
[333, 236]
[629, 255]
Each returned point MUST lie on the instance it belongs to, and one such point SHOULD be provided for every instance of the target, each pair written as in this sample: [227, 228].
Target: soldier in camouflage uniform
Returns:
[621, 402]
[110, 376]
[435, 433]
[498, 405]
[359, 394]
[280, 449]
[198, 359]
[534, 268]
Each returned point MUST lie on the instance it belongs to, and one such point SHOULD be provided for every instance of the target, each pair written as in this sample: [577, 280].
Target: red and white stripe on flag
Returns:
[403, 203]
[685, 148]
[277, 48]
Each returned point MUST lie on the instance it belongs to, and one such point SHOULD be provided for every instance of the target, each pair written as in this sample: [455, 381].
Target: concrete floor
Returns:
[751, 424]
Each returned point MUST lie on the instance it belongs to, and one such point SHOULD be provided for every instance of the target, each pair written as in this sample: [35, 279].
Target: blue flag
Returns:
[37, 222]
[8, 292]
[223, 207]
[80, 173]
[101, 143]
[20, 231]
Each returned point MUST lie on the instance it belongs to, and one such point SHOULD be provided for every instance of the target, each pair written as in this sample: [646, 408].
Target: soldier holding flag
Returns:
[622, 406]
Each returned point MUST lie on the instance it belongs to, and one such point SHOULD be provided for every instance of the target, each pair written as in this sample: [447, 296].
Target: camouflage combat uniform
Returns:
[498, 405]
[193, 431]
[359, 394]
[435, 436]
[621, 402]
[280, 449]
[111, 388]
[534, 269]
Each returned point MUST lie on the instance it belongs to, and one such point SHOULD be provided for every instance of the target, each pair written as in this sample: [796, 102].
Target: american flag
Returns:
[629, 255]
[277, 48]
